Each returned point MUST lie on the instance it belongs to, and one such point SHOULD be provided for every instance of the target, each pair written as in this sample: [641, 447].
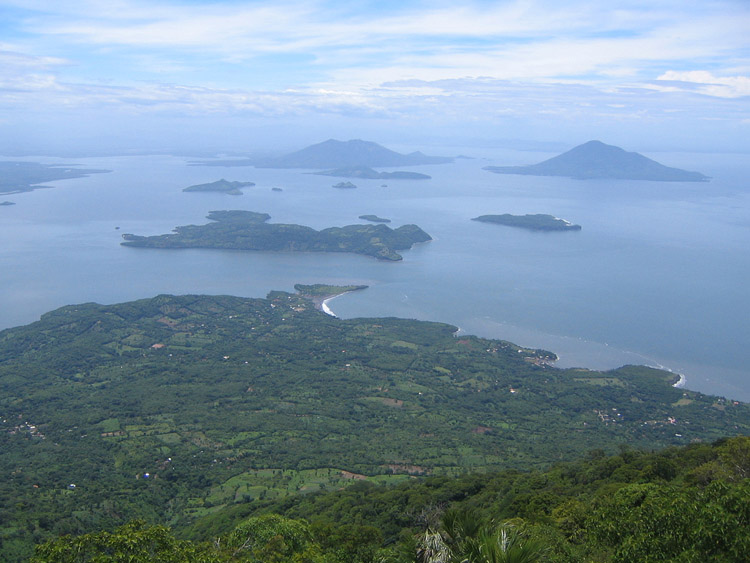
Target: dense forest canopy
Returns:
[172, 409]
[680, 504]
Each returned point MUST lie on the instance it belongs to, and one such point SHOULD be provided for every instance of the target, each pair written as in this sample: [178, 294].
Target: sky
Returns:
[195, 75]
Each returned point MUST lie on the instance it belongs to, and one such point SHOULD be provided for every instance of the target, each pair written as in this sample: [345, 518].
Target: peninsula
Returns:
[225, 186]
[248, 230]
[597, 160]
[17, 177]
[367, 173]
[319, 293]
[538, 222]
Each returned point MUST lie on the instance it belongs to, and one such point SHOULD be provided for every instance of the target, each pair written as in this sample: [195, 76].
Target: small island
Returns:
[248, 230]
[368, 173]
[374, 219]
[344, 186]
[8, 203]
[538, 222]
[223, 186]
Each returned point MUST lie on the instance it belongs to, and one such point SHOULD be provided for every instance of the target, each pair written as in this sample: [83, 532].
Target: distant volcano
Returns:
[597, 160]
[338, 154]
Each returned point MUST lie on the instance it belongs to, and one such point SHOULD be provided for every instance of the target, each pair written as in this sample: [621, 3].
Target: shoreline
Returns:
[504, 331]
[320, 302]
[323, 305]
[681, 382]
[681, 378]
[321, 294]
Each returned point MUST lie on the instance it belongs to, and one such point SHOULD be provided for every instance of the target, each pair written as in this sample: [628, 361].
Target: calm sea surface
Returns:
[658, 275]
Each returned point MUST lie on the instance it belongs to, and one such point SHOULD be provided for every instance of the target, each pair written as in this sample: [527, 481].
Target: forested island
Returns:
[17, 177]
[368, 173]
[248, 230]
[598, 160]
[225, 186]
[537, 222]
[204, 411]
[344, 186]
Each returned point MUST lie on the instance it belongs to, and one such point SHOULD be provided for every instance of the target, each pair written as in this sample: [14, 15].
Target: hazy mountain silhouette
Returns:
[369, 174]
[337, 154]
[598, 160]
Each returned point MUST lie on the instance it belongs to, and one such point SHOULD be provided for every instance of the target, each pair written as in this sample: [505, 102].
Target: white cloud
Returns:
[706, 83]
[21, 73]
[520, 38]
[13, 61]
[470, 61]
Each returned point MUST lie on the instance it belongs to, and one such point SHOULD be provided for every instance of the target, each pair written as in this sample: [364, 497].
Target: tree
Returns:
[133, 542]
[665, 523]
[466, 538]
[268, 538]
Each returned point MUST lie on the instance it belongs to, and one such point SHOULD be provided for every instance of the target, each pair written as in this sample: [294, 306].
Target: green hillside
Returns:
[173, 408]
[680, 504]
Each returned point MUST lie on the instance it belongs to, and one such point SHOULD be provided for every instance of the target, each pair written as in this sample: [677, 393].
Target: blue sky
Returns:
[223, 74]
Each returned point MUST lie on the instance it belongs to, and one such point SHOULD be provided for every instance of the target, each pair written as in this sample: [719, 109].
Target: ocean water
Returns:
[658, 275]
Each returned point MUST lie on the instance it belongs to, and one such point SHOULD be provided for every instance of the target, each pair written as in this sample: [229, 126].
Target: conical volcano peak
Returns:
[595, 159]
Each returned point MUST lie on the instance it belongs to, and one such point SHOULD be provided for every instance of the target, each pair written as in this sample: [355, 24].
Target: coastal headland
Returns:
[320, 293]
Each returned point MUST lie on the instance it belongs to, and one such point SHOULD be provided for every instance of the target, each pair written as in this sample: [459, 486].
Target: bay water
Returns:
[658, 275]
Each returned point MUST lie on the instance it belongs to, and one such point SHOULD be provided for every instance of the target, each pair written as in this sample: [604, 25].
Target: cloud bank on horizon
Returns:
[534, 68]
